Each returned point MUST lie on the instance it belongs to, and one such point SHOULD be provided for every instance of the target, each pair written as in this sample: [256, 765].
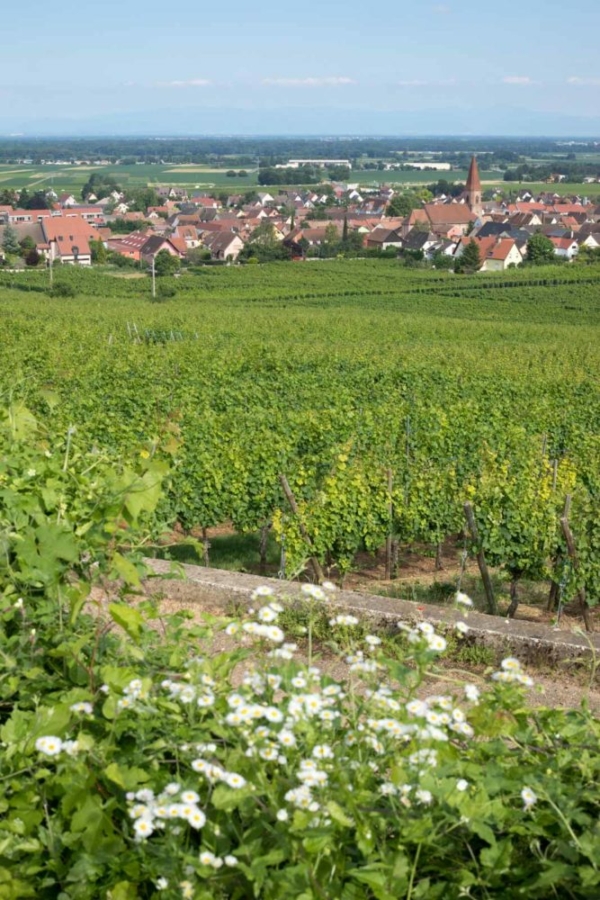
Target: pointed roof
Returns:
[473, 180]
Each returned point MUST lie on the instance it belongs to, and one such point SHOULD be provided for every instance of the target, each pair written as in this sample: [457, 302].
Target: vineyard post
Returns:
[389, 539]
[316, 565]
[264, 541]
[206, 545]
[485, 575]
[564, 523]
[554, 594]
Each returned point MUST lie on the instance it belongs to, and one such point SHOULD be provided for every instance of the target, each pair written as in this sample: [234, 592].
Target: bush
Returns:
[62, 290]
[164, 292]
[133, 768]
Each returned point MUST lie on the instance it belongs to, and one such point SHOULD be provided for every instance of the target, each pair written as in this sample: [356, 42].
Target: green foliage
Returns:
[165, 263]
[402, 205]
[134, 767]
[62, 290]
[10, 241]
[540, 250]
[99, 252]
[479, 388]
[470, 259]
[101, 184]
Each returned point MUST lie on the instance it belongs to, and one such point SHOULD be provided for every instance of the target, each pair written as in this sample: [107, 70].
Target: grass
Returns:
[72, 178]
[235, 552]
[443, 588]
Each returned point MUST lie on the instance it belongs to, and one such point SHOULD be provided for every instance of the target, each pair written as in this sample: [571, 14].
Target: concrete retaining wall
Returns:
[530, 641]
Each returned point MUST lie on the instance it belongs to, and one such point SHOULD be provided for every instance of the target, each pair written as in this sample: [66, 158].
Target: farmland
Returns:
[482, 388]
[71, 178]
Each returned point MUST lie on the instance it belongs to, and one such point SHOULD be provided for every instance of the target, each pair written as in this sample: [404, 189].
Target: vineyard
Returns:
[387, 397]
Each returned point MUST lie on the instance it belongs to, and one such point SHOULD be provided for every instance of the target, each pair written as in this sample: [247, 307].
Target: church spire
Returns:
[473, 189]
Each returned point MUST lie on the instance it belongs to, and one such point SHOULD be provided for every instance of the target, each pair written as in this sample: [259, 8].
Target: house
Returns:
[188, 234]
[565, 248]
[382, 238]
[66, 200]
[143, 246]
[69, 239]
[223, 244]
[27, 216]
[591, 240]
[420, 241]
[501, 255]
[265, 198]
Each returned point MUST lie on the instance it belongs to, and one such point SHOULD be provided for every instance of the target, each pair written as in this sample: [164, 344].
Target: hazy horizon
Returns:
[449, 67]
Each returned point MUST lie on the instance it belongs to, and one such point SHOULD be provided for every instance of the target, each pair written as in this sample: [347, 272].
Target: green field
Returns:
[72, 178]
[332, 372]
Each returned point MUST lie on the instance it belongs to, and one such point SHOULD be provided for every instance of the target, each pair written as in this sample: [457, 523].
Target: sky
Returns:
[328, 67]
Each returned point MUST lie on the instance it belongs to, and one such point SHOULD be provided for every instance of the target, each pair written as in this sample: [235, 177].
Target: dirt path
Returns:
[559, 688]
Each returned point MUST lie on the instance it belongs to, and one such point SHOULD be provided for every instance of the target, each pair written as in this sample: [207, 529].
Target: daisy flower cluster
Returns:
[54, 746]
[512, 673]
[202, 694]
[132, 692]
[425, 635]
[174, 804]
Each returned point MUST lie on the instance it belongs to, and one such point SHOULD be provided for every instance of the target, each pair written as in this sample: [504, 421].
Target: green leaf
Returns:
[126, 570]
[124, 890]
[338, 815]
[228, 799]
[128, 618]
[126, 778]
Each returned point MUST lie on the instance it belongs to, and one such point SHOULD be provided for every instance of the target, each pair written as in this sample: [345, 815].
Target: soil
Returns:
[417, 567]
[558, 689]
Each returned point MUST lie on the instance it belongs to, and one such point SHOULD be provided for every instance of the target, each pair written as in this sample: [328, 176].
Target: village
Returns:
[299, 224]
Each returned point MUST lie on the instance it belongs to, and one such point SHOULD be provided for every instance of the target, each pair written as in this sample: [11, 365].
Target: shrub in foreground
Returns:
[134, 766]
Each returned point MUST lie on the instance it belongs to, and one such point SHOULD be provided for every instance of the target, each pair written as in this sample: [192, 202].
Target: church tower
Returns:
[473, 190]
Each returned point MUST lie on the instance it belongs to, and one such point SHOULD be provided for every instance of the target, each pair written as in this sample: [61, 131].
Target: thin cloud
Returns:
[328, 81]
[416, 82]
[442, 10]
[193, 82]
[574, 79]
[517, 79]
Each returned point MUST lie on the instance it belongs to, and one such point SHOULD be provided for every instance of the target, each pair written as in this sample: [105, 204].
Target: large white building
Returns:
[321, 163]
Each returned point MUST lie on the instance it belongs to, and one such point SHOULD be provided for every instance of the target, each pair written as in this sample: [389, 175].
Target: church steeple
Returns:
[473, 189]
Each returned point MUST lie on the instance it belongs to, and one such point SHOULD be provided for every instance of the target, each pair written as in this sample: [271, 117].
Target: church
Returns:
[473, 189]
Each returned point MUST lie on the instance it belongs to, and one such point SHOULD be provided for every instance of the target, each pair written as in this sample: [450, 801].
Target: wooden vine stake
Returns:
[316, 565]
[572, 550]
[389, 538]
[492, 606]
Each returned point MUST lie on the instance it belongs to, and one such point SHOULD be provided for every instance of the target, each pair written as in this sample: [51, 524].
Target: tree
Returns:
[165, 263]
[470, 260]
[98, 252]
[540, 250]
[401, 205]
[33, 257]
[10, 241]
[39, 200]
[264, 245]
[26, 244]
[230, 173]
[140, 199]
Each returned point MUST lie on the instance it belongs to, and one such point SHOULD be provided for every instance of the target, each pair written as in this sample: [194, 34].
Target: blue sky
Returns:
[315, 67]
